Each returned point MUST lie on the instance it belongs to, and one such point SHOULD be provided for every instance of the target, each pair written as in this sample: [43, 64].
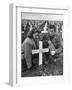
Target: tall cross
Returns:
[40, 51]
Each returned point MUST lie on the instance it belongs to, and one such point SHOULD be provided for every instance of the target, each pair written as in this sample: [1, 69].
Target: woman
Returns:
[28, 45]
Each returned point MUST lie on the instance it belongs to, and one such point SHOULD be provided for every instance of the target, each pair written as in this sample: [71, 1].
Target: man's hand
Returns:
[52, 53]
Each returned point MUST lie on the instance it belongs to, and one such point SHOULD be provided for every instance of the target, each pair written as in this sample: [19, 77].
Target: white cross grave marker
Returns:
[40, 51]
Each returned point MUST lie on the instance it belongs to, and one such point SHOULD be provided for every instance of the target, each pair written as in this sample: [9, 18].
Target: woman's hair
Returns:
[30, 33]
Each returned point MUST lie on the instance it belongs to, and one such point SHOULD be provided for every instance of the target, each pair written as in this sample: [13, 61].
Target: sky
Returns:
[37, 16]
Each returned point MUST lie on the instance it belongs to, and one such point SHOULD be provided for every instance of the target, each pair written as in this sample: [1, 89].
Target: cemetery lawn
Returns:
[50, 69]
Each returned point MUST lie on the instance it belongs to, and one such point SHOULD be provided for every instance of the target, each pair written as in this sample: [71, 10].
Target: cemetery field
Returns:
[51, 69]
[47, 55]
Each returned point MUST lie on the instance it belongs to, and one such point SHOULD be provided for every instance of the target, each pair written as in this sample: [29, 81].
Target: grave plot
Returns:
[44, 69]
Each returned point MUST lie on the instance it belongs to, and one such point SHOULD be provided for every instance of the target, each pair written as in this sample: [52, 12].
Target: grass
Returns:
[50, 69]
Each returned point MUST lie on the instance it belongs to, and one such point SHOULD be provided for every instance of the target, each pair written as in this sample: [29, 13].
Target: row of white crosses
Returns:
[41, 50]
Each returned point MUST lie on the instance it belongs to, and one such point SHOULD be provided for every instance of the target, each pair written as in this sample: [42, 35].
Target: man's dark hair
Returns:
[52, 27]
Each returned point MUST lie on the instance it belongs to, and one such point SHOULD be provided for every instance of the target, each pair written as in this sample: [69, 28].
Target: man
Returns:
[56, 43]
